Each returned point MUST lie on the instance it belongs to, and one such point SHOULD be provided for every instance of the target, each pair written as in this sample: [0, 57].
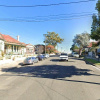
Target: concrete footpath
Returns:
[10, 63]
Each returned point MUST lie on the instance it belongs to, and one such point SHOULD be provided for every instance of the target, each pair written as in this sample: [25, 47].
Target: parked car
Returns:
[35, 59]
[46, 55]
[30, 60]
[64, 56]
[58, 54]
[75, 54]
[41, 57]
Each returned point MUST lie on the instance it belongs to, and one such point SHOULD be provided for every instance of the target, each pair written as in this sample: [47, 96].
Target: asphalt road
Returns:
[51, 79]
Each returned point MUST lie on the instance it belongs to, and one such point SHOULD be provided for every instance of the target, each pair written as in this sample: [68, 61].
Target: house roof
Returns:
[91, 44]
[29, 44]
[1, 37]
[39, 45]
[10, 40]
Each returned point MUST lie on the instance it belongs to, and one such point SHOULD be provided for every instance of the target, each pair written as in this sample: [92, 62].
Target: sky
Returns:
[30, 21]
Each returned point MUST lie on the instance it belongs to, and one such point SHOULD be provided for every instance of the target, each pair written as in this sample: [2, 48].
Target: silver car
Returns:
[30, 60]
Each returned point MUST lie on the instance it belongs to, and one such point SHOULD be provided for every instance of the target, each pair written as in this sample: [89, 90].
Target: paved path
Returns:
[51, 80]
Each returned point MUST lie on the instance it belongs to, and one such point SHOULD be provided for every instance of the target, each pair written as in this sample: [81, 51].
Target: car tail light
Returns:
[29, 61]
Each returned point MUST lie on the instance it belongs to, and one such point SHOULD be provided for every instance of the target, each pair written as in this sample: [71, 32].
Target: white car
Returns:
[74, 54]
[64, 56]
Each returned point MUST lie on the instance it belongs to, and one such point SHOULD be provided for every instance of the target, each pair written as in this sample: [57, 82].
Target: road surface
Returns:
[51, 79]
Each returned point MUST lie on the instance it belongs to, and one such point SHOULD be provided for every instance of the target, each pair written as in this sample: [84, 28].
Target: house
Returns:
[11, 46]
[93, 51]
[30, 49]
[98, 50]
[39, 49]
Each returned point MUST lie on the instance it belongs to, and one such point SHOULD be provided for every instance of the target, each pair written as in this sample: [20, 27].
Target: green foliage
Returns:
[82, 40]
[53, 38]
[98, 6]
[74, 47]
[95, 29]
[92, 61]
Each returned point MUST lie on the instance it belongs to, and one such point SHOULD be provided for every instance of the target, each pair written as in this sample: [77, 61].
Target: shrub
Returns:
[1, 58]
[2, 54]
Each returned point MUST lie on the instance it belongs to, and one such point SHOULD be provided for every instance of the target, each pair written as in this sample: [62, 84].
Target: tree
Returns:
[50, 49]
[74, 48]
[53, 38]
[82, 40]
[95, 29]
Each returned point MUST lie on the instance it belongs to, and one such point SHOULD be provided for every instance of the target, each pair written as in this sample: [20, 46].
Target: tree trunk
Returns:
[80, 52]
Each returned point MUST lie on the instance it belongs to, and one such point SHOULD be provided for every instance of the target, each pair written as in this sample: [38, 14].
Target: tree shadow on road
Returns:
[58, 60]
[76, 58]
[50, 71]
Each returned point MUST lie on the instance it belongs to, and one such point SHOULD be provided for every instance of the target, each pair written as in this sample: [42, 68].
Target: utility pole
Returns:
[45, 42]
[57, 47]
[61, 49]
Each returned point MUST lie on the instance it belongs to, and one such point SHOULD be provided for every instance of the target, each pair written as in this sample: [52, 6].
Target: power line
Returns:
[47, 4]
[45, 20]
[57, 15]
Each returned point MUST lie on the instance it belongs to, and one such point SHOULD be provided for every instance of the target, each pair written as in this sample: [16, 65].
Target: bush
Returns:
[1, 58]
[2, 54]
[13, 58]
[8, 57]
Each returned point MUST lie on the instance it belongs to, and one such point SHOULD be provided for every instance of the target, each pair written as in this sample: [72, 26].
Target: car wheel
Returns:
[33, 62]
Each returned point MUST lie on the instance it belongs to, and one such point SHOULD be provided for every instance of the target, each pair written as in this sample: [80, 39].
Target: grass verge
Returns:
[95, 62]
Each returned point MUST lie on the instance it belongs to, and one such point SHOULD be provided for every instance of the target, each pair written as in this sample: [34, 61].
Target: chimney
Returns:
[18, 37]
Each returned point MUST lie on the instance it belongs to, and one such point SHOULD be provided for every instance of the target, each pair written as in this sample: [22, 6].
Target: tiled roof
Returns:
[1, 36]
[23, 43]
[9, 39]
[29, 44]
[91, 44]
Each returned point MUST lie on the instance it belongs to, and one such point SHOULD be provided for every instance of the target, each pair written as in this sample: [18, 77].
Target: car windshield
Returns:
[64, 54]
[28, 58]
[33, 57]
[75, 53]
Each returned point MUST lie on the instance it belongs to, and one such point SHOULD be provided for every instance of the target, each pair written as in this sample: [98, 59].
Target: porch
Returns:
[10, 49]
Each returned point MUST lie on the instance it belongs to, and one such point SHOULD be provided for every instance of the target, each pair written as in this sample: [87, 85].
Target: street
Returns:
[51, 79]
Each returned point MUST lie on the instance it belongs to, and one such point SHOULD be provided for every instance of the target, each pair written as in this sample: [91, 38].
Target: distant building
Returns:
[39, 49]
[30, 49]
[94, 52]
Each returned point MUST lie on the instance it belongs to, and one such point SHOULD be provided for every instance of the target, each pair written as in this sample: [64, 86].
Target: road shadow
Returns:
[57, 72]
[55, 60]
[76, 58]
[58, 60]
[21, 64]
[49, 71]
